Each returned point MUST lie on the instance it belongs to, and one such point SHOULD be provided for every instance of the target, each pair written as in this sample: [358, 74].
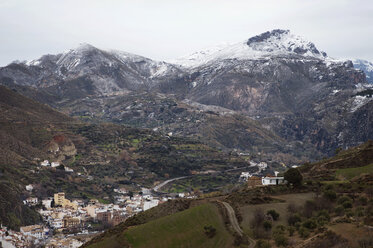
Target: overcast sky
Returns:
[166, 29]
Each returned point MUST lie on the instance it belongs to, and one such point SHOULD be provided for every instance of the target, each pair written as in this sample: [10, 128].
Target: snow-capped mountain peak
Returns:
[279, 40]
[272, 43]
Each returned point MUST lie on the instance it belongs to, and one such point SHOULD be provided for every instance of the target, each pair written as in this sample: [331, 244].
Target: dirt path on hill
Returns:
[234, 222]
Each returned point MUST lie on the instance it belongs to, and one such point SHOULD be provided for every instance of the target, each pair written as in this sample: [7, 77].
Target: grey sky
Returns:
[165, 29]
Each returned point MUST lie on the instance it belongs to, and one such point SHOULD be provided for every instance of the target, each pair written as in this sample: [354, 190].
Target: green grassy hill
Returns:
[182, 229]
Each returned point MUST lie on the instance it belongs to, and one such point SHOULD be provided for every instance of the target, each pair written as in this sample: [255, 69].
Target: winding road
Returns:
[234, 222]
[157, 187]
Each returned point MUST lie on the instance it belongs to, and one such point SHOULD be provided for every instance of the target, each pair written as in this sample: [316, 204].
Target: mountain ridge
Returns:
[294, 91]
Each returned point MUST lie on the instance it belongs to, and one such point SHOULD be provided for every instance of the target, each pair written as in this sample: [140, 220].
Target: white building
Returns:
[68, 169]
[150, 204]
[272, 180]
[45, 163]
[29, 187]
[47, 203]
[36, 231]
[55, 164]
[245, 175]
[262, 166]
[56, 223]
[31, 201]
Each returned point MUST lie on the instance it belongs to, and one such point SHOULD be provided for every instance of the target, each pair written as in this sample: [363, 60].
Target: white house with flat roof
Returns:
[269, 180]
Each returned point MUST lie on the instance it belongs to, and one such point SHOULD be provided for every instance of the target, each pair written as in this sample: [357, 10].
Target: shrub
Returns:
[262, 244]
[359, 212]
[303, 232]
[347, 204]
[324, 214]
[343, 199]
[293, 219]
[267, 225]
[330, 195]
[238, 240]
[310, 224]
[293, 176]
[291, 230]
[210, 231]
[363, 200]
[274, 214]
[349, 213]
[339, 210]
[281, 240]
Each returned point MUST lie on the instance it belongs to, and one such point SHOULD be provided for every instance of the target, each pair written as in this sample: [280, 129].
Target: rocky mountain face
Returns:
[274, 88]
[366, 67]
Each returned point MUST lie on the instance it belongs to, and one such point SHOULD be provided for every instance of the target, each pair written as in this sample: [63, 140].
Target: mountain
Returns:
[272, 43]
[275, 87]
[366, 67]
[86, 70]
[285, 83]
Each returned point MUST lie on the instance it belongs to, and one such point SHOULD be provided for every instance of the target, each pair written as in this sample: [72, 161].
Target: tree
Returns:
[293, 176]
[274, 214]
[267, 225]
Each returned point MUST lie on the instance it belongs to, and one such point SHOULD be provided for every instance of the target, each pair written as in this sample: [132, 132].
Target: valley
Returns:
[179, 152]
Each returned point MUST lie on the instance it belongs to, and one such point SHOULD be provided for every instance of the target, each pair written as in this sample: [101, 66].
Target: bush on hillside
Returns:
[262, 244]
[330, 194]
[267, 225]
[303, 232]
[281, 240]
[293, 219]
[274, 214]
[210, 231]
[293, 176]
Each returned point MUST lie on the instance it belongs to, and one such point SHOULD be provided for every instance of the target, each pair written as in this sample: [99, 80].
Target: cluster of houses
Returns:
[10, 238]
[63, 216]
[46, 163]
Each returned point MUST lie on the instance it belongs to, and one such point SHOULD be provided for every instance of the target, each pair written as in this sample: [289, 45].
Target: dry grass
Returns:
[351, 232]
[281, 207]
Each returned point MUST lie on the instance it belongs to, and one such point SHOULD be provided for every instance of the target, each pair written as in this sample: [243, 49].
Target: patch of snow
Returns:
[281, 44]
[335, 91]
[35, 62]
[359, 101]
[194, 84]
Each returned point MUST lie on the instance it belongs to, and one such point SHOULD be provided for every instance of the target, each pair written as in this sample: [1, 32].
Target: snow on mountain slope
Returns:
[274, 43]
[366, 67]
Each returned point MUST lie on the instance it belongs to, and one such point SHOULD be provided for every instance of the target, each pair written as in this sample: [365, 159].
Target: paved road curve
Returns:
[157, 188]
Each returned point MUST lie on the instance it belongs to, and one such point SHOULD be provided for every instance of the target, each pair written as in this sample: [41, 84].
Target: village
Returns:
[71, 222]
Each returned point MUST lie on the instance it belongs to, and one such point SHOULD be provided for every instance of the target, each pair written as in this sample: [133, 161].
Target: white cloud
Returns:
[164, 29]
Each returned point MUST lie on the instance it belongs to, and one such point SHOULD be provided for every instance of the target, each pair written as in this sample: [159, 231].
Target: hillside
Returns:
[103, 156]
[313, 214]
[346, 165]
